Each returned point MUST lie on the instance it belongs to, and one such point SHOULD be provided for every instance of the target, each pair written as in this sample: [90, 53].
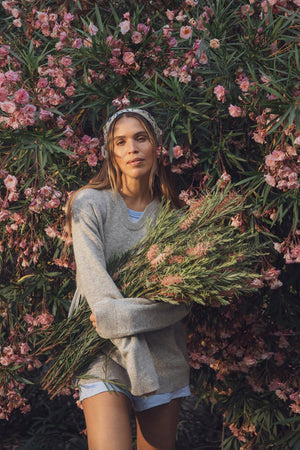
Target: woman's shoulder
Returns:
[89, 198]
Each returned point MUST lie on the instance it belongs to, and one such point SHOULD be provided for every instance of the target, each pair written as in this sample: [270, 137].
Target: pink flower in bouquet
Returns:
[186, 32]
[124, 26]
[171, 279]
[236, 221]
[235, 111]
[191, 2]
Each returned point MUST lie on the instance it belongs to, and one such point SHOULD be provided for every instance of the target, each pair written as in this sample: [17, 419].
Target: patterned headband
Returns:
[140, 112]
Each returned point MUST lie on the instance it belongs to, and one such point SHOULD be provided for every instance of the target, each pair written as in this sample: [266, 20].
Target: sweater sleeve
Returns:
[116, 316]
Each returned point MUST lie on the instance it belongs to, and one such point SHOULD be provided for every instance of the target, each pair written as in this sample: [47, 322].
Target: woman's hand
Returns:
[93, 320]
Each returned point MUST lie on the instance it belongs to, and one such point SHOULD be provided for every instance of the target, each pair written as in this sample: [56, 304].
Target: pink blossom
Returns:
[4, 214]
[235, 111]
[181, 17]
[214, 43]
[171, 279]
[13, 197]
[77, 43]
[92, 160]
[272, 274]
[186, 32]
[12, 76]
[11, 182]
[142, 28]
[257, 283]
[68, 17]
[21, 96]
[170, 14]
[236, 221]
[60, 82]
[24, 348]
[177, 151]
[42, 83]
[45, 115]
[191, 2]
[203, 58]
[124, 26]
[219, 90]
[43, 17]
[128, 58]
[270, 180]
[173, 42]
[275, 284]
[17, 23]
[136, 37]
[92, 29]
[66, 61]
[8, 107]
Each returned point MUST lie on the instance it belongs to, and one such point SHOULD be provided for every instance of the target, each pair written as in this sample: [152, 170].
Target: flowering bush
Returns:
[222, 79]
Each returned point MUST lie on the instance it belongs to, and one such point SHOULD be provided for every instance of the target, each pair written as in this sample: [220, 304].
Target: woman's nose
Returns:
[131, 147]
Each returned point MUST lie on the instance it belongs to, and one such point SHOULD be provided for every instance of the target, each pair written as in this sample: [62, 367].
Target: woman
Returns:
[144, 365]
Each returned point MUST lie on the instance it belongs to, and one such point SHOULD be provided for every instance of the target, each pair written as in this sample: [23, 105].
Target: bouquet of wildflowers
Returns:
[194, 254]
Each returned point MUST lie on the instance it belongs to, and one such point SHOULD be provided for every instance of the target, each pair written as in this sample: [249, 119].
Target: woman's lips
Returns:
[135, 162]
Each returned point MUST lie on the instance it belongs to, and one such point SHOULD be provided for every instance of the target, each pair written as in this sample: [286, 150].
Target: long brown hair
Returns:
[109, 177]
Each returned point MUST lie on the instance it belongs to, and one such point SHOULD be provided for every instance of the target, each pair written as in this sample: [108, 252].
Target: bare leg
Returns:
[156, 427]
[107, 417]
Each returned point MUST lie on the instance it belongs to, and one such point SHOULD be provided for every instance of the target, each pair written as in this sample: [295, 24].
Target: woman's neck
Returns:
[136, 196]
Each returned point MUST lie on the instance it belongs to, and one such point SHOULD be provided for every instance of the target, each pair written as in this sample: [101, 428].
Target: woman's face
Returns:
[133, 151]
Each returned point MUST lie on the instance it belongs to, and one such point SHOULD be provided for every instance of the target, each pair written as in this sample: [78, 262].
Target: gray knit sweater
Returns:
[149, 351]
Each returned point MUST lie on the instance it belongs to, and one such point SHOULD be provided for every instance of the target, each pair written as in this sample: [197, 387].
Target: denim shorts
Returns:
[139, 403]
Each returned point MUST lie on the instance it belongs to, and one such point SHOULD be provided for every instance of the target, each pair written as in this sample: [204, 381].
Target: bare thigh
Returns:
[156, 427]
[107, 417]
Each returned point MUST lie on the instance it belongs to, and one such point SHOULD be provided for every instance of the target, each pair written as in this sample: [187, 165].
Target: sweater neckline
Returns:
[146, 213]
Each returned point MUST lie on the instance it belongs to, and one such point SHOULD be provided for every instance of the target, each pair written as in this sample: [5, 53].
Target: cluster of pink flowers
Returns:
[85, 148]
[290, 248]
[22, 106]
[39, 320]
[15, 107]
[283, 166]
[156, 256]
[244, 432]
[45, 198]
[16, 358]
[243, 343]
[182, 158]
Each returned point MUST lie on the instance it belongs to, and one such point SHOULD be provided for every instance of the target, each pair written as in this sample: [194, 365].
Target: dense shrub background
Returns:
[222, 78]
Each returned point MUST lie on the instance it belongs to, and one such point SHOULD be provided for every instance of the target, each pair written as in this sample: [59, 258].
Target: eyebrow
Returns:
[139, 133]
